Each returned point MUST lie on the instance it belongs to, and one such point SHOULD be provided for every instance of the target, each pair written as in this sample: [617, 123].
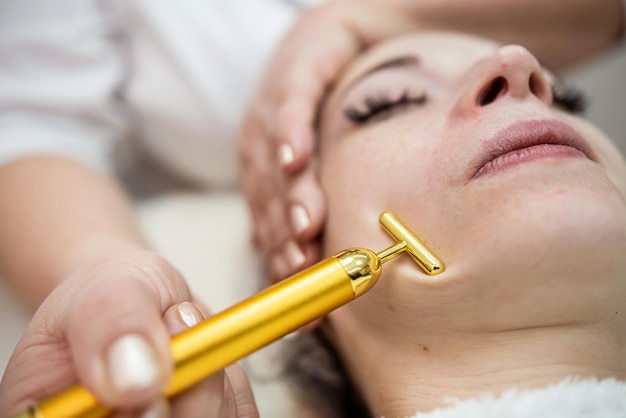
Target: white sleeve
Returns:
[59, 71]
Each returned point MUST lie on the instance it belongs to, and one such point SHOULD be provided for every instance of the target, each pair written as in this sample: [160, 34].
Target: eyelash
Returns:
[378, 106]
[569, 98]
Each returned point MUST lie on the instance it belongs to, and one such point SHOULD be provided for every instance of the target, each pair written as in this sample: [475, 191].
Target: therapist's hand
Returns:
[108, 327]
[276, 142]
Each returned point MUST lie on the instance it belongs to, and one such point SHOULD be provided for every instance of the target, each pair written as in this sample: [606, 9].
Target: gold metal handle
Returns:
[261, 319]
[246, 327]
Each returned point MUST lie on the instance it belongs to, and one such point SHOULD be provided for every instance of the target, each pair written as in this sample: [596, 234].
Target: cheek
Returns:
[350, 176]
[371, 171]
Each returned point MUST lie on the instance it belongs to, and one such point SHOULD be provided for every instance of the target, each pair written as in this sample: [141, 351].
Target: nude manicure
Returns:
[279, 266]
[159, 409]
[188, 314]
[285, 154]
[132, 363]
[294, 255]
[300, 219]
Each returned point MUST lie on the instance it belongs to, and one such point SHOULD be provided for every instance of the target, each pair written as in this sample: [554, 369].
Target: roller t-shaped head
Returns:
[409, 243]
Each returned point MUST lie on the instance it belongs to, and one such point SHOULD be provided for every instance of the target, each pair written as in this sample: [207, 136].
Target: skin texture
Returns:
[277, 140]
[535, 279]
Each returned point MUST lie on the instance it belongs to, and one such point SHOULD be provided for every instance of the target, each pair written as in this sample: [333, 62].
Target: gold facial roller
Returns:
[261, 319]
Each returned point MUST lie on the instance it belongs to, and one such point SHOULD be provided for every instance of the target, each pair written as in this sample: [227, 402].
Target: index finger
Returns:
[300, 91]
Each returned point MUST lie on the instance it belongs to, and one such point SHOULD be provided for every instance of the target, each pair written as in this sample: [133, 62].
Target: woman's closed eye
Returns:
[382, 106]
[569, 98]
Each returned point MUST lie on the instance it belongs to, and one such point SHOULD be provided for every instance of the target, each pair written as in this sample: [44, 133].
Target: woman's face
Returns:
[464, 142]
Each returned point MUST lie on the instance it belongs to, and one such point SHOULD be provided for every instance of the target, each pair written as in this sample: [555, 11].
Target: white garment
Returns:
[78, 76]
[570, 398]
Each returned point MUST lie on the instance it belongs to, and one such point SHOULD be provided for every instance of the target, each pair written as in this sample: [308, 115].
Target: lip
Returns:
[527, 141]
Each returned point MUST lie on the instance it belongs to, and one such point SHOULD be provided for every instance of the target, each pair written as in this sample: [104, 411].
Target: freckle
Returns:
[425, 348]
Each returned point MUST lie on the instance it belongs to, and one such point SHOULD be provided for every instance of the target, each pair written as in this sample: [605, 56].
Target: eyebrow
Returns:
[395, 62]
[403, 61]
[411, 60]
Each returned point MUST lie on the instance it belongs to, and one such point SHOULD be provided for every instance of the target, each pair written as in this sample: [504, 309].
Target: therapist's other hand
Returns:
[276, 142]
[108, 327]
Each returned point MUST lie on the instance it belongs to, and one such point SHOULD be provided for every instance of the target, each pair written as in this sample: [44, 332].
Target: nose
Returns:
[511, 72]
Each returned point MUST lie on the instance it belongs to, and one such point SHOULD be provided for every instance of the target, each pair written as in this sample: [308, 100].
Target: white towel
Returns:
[570, 398]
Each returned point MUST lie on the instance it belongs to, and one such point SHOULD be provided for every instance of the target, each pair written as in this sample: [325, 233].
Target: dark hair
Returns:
[317, 377]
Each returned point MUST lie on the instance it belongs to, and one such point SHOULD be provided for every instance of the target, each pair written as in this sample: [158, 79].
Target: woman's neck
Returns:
[419, 377]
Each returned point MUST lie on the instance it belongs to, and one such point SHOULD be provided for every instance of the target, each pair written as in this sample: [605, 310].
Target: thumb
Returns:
[119, 344]
[103, 328]
[109, 337]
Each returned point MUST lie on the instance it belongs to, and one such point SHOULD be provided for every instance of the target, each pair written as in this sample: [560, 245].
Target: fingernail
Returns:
[285, 154]
[299, 219]
[279, 266]
[294, 255]
[189, 314]
[158, 409]
[132, 363]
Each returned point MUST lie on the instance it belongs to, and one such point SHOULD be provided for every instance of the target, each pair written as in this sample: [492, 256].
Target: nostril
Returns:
[492, 91]
[536, 86]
